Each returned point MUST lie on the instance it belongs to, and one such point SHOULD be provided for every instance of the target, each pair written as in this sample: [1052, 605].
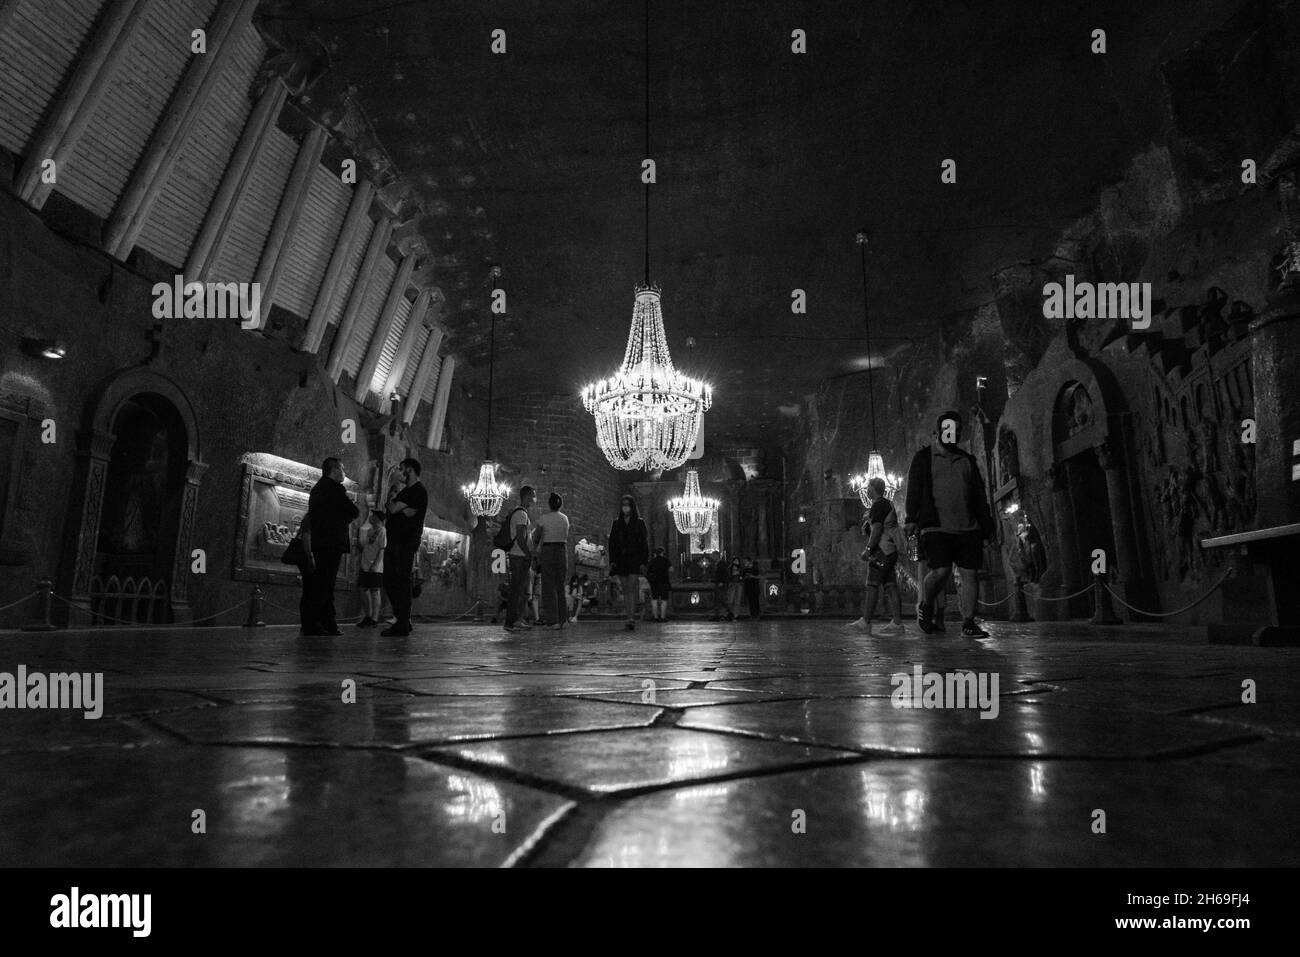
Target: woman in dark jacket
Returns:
[629, 551]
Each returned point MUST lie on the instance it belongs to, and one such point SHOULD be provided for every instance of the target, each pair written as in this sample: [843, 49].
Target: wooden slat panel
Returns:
[431, 389]
[119, 129]
[369, 316]
[310, 248]
[391, 341]
[241, 248]
[350, 273]
[35, 53]
[178, 214]
[408, 377]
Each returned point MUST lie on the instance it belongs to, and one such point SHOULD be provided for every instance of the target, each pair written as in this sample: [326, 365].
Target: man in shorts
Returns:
[946, 502]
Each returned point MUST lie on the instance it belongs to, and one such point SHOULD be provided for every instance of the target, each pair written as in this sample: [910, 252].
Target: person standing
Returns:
[629, 553]
[946, 502]
[552, 535]
[521, 559]
[735, 581]
[658, 573]
[374, 538]
[408, 500]
[721, 585]
[753, 588]
[329, 514]
[882, 555]
[575, 598]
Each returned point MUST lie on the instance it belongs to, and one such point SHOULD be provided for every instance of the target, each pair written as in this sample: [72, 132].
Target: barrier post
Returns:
[41, 617]
[255, 609]
[1102, 612]
[1019, 606]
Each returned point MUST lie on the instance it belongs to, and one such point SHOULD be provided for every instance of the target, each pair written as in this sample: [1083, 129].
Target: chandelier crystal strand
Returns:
[647, 414]
[693, 513]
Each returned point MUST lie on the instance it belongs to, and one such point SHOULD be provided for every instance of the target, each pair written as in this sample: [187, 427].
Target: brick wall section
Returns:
[532, 431]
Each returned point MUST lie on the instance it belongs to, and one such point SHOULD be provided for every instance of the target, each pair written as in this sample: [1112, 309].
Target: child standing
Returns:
[658, 573]
[374, 539]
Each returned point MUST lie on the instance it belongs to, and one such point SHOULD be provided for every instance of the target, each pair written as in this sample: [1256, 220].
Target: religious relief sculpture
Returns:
[1028, 556]
[1078, 410]
[1008, 457]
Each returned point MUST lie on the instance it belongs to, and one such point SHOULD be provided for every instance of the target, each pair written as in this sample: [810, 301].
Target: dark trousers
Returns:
[518, 588]
[398, 558]
[555, 562]
[316, 609]
[754, 596]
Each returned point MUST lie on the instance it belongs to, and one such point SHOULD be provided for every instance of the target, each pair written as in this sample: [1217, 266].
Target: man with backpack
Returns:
[513, 540]
[884, 547]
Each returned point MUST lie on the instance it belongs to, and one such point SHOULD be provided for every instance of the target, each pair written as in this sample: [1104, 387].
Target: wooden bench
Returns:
[1277, 548]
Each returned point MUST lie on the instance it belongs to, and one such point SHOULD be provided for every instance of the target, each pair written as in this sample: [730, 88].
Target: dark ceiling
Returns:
[768, 164]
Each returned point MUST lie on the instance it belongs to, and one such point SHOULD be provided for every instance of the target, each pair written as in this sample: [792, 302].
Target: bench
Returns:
[1278, 548]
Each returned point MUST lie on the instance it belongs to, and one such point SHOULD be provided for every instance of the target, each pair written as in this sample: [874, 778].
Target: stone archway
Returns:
[1092, 484]
[115, 406]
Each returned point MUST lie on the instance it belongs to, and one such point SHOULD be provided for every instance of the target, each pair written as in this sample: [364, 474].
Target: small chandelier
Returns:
[876, 469]
[693, 513]
[487, 495]
[647, 414]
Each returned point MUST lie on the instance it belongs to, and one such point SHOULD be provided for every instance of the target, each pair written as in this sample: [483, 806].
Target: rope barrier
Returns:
[137, 626]
[994, 604]
[1082, 591]
[1179, 611]
[15, 604]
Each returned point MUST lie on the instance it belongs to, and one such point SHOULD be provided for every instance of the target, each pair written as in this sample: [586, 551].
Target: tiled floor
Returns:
[775, 743]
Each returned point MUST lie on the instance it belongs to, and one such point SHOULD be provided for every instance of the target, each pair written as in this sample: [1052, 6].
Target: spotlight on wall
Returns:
[802, 519]
[44, 348]
[1011, 509]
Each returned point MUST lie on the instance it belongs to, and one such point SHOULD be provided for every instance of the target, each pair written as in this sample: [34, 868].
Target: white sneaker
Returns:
[860, 623]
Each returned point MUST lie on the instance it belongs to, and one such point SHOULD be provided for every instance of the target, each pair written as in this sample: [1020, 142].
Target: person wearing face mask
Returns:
[947, 505]
[629, 553]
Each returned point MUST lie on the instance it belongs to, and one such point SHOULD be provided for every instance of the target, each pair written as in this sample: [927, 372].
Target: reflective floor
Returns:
[775, 743]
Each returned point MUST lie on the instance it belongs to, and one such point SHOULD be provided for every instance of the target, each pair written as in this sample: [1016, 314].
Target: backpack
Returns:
[504, 538]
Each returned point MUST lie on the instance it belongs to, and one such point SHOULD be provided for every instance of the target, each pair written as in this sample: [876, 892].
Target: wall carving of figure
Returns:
[1028, 556]
[1078, 410]
[1008, 456]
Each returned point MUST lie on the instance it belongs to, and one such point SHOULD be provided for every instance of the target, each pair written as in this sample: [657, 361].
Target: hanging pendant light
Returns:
[693, 513]
[647, 414]
[875, 461]
[487, 495]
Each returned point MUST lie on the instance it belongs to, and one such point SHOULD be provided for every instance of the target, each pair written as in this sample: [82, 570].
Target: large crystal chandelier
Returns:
[876, 469]
[647, 413]
[487, 495]
[693, 513]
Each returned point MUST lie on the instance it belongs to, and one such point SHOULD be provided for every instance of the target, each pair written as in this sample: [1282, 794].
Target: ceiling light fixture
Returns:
[487, 495]
[647, 414]
[44, 348]
[693, 513]
[875, 461]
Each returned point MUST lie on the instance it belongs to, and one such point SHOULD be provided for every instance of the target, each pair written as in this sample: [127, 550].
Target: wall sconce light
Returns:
[695, 598]
[44, 348]
[802, 520]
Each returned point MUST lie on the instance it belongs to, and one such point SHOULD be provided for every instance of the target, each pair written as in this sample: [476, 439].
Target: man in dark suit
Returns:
[329, 514]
